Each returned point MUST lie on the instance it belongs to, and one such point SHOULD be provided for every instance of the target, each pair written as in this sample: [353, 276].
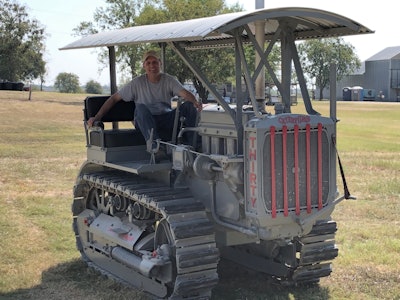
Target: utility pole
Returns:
[259, 4]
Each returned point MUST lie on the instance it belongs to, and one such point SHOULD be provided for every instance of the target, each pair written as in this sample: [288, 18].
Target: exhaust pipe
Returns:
[129, 259]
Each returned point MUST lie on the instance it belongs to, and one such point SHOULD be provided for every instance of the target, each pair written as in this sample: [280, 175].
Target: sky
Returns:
[60, 17]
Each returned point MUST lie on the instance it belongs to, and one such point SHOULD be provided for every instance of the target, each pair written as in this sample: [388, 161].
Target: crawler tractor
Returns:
[260, 188]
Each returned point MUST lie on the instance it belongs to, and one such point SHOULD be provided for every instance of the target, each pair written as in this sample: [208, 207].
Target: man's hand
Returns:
[198, 105]
[188, 96]
[91, 121]
[110, 102]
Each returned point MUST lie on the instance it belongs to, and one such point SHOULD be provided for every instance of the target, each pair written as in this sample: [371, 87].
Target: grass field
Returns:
[42, 146]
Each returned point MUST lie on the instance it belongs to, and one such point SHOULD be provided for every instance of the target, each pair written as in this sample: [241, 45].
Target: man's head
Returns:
[151, 63]
[149, 54]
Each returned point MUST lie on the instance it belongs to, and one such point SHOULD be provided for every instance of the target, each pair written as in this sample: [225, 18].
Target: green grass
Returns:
[42, 146]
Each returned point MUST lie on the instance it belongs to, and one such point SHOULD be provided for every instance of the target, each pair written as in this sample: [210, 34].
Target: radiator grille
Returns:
[296, 169]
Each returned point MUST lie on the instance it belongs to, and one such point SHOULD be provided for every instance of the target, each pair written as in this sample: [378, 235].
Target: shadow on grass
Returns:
[239, 283]
[74, 281]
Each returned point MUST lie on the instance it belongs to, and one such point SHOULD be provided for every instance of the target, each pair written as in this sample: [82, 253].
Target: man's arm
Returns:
[188, 96]
[110, 102]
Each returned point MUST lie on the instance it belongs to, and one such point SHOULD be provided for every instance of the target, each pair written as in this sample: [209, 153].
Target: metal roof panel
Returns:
[386, 54]
[308, 23]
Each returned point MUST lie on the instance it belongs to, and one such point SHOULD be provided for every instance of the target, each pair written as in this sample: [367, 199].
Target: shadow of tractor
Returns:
[75, 281]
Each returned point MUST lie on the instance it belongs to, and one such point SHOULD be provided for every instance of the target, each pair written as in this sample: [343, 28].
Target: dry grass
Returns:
[42, 148]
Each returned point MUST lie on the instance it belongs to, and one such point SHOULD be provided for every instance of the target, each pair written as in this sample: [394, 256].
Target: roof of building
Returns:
[386, 54]
[202, 32]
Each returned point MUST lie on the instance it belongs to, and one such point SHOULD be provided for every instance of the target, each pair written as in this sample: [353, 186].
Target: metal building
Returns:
[379, 77]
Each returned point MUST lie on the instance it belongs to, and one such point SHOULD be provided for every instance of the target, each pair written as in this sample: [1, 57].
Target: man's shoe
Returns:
[160, 155]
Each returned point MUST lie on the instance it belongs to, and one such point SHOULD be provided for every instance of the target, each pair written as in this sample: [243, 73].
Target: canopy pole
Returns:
[260, 80]
[113, 72]
[113, 76]
[332, 94]
[163, 56]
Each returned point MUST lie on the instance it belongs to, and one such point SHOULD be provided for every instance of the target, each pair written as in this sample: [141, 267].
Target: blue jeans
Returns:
[163, 124]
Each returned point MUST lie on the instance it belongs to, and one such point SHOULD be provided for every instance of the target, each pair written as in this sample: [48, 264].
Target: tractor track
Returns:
[196, 254]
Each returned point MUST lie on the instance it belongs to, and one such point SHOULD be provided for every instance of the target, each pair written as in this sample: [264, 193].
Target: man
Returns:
[152, 93]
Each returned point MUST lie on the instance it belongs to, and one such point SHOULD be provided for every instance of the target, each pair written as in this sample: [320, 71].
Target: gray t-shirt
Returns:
[156, 96]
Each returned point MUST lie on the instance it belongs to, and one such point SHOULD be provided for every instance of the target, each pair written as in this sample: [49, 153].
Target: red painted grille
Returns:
[296, 169]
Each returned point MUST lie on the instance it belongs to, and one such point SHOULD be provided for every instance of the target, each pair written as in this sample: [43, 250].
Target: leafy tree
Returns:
[115, 15]
[21, 43]
[127, 13]
[67, 83]
[317, 55]
[93, 87]
[217, 64]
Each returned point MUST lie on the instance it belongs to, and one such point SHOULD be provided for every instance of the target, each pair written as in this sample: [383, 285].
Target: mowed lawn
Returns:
[42, 146]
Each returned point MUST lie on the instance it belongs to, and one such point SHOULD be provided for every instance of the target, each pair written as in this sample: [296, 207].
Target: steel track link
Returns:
[196, 253]
[317, 250]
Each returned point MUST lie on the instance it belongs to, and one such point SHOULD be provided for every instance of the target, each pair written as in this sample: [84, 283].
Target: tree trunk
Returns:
[321, 93]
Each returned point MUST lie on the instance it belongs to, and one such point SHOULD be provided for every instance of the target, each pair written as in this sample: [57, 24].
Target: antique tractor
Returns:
[259, 190]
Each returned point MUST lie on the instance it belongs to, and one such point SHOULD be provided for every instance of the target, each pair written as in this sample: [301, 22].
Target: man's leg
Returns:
[165, 125]
[145, 122]
[189, 112]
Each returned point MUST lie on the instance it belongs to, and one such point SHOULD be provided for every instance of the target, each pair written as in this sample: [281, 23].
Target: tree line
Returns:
[69, 83]
[23, 45]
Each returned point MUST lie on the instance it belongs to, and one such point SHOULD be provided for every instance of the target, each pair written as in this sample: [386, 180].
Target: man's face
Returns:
[152, 65]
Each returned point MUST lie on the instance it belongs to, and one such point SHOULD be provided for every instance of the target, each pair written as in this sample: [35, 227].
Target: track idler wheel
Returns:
[164, 242]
